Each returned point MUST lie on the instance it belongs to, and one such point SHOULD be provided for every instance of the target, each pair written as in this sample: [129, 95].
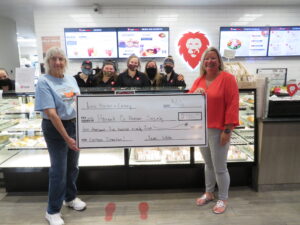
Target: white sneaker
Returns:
[76, 204]
[54, 219]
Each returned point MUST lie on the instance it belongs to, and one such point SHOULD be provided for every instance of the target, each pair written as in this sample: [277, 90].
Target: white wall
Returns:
[29, 53]
[9, 54]
[51, 22]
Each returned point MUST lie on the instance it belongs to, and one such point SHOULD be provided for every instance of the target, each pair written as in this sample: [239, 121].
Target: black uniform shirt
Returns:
[139, 80]
[110, 83]
[89, 82]
[173, 81]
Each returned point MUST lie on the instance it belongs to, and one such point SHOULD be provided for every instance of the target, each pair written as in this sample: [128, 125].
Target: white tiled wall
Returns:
[51, 22]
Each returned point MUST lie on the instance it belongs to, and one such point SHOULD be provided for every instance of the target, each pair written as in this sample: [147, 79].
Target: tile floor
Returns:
[165, 207]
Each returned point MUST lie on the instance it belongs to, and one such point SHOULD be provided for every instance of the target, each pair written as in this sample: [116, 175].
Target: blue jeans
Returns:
[64, 169]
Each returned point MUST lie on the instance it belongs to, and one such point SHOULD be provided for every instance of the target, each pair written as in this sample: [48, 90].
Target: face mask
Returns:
[151, 72]
[87, 71]
[132, 67]
[5, 82]
[107, 73]
[168, 69]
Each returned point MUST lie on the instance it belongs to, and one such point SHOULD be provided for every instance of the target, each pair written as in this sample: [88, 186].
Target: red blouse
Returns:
[222, 100]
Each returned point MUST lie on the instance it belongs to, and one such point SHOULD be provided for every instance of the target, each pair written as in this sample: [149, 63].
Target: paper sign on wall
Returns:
[49, 42]
[25, 80]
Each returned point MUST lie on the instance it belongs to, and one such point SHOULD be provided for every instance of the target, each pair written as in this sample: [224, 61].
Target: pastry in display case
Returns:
[27, 142]
[20, 130]
[147, 154]
[178, 154]
[235, 154]
[25, 125]
[15, 127]
[21, 136]
[24, 154]
[243, 77]
[246, 111]
[242, 137]
[4, 140]
[160, 155]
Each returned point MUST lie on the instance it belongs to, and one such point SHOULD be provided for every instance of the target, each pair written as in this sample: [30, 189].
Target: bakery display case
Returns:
[24, 159]
[20, 127]
[21, 136]
[159, 156]
[241, 149]
[242, 146]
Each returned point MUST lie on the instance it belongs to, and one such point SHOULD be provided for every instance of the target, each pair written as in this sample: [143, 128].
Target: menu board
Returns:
[284, 41]
[246, 41]
[143, 41]
[91, 43]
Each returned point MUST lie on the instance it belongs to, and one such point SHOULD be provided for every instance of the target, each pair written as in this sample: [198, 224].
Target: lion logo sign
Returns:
[191, 47]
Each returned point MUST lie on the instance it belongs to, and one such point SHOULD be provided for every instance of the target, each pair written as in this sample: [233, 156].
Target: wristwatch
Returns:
[227, 131]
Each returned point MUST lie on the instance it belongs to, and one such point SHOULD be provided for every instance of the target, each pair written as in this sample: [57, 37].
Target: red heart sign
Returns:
[292, 89]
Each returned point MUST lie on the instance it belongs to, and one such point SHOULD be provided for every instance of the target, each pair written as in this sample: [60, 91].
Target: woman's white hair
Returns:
[210, 49]
[54, 51]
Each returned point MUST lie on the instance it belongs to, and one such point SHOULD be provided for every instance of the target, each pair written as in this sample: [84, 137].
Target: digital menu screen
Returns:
[143, 42]
[91, 43]
[284, 41]
[246, 41]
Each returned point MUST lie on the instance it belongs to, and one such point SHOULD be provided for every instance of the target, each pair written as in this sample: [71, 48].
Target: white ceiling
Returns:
[22, 10]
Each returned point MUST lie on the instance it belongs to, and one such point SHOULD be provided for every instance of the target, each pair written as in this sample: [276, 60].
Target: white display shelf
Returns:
[88, 157]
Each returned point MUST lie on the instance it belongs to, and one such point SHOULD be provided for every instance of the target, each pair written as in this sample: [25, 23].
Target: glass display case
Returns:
[16, 114]
[241, 149]
[160, 156]
[22, 146]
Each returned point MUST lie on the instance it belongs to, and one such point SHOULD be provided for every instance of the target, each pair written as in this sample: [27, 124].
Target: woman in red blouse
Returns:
[222, 95]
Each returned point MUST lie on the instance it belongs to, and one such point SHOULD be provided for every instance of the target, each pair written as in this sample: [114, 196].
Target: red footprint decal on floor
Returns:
[144, 208]
[109, 211]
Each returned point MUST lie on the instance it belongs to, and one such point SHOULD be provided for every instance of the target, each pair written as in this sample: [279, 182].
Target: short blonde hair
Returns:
[54, 51]
[210, 49]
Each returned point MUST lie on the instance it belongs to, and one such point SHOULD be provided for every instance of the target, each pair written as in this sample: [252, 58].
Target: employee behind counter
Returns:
[85, 78]
[6, 84]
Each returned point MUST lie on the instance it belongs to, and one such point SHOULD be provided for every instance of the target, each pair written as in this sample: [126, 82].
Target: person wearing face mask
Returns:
[85, 77]
[107, 77]
[6, 84]
[152, 73]
[131, 77]
[171, 78]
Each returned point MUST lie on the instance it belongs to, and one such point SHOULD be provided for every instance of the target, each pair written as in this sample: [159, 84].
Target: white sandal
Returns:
[203, 200]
